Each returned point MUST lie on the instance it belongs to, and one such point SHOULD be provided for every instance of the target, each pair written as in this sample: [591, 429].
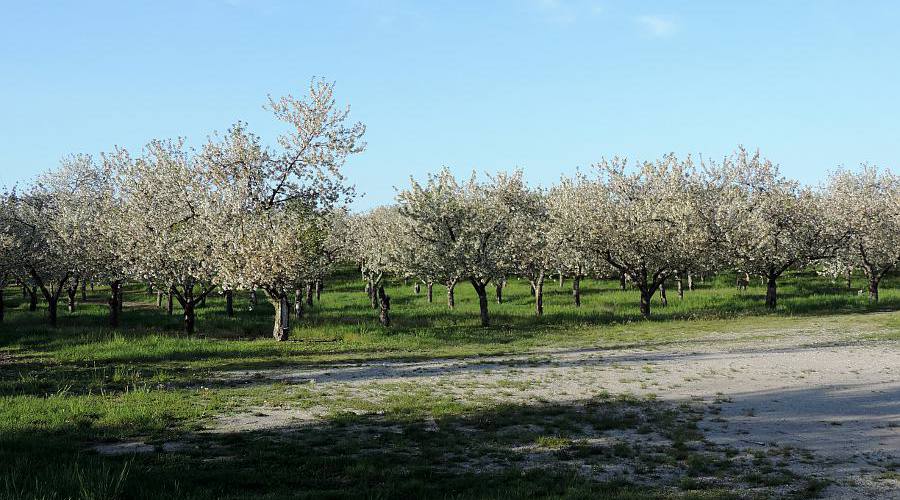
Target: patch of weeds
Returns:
[553, 442]
[699, 465]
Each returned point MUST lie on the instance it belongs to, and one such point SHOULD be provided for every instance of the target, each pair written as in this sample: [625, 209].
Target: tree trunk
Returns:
[71, 293]
[417, 288]
[310, 290]
[318, 290]
[680, 283]
[373, 294]
[114, 304]
[873, 288]
[664, 301]
[561, 277]
[190, 316]
[282, 318]
[121, 298]
[498, 289]
[429, 290]
[229, 303]
[159, 296]
[384, 302]
[849, 279]
[645, 302]
[482, 302]
[532, 290]
[539, 297]
[169, 306]
[622, 281]
[451, 298]
[576, 290]
[84, 291]
[2, 305]
[51, 309]
[690, 284]
[203, 301]
[32, 299]
[771, 292]
[253, 299]
[298, 303]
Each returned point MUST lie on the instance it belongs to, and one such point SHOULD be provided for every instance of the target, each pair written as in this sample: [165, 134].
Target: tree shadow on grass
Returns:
[419, 447]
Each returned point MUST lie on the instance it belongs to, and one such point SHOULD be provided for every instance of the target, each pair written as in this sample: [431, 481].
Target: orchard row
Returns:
[241, 213]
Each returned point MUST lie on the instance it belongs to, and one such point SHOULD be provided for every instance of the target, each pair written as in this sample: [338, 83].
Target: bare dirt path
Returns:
[821, 388]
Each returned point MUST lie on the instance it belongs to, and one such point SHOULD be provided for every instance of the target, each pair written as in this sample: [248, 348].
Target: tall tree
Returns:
[763, 223]
[466, 224]
[864, 206]
[53, 222]
[569, 230]
[287, 191]
[432, 222]
[375, 248]
[530, 251]
[645, 221]
[167, 218]
[94, 190]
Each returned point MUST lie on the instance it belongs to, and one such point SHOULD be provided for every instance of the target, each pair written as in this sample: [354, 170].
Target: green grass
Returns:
[67, 389]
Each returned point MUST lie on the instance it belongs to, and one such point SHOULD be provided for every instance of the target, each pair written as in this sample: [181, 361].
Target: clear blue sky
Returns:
[545, 85]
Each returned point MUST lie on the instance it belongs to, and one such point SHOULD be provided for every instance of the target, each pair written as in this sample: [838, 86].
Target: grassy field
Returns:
[64, 391]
